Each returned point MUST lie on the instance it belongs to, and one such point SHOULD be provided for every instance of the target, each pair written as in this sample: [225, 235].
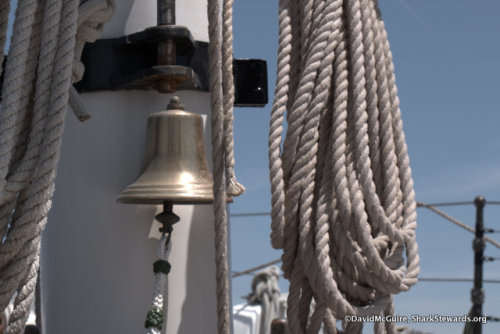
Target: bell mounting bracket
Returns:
[165, 58]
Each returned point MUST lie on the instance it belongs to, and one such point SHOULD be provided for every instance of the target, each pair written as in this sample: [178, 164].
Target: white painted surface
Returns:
[133, 15]
[97, 257]
[130, 16]
[189, 11]
[246, 319]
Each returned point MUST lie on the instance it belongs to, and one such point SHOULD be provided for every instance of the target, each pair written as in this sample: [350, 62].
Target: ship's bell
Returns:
[176, 168]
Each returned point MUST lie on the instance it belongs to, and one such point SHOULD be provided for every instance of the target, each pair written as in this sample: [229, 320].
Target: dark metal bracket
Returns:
[135, 62]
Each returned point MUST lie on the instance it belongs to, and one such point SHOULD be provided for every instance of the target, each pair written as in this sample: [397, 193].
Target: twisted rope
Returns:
[234, 188]
[38, 78]
[343, 207]
[92, 15]
[27, 190]
[221, 102]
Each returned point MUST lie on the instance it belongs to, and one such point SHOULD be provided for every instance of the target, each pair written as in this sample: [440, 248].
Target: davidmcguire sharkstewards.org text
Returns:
[416, 318]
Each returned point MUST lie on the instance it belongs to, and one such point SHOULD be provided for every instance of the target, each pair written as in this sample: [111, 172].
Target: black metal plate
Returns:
[130, 62]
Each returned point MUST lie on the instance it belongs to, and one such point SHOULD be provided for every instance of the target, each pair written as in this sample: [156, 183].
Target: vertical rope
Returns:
[221, 101]
[233, 187]
[24, 43]
[220, 213]
[35, 94]
[276, 128]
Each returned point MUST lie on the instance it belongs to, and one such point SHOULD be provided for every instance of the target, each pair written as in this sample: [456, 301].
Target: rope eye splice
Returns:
[161, 268]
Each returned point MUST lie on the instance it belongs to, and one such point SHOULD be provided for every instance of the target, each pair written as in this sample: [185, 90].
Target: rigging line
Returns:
[413, 13]
[457, 280]
[250, 214]
[245, 274]
[421, 204]
[422, 279]
[456, 222]
[240, 273]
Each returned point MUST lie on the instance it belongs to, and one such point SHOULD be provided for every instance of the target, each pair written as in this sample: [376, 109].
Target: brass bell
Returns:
[177, 170]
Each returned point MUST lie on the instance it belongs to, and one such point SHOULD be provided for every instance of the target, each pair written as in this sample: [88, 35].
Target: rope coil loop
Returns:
[37, 83]
[343, 207]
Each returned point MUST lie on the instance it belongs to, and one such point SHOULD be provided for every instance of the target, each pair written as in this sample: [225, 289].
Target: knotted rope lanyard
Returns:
[157, 314]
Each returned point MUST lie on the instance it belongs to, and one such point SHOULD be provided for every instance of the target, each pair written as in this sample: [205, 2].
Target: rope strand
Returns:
[221, 102]
[35, 95]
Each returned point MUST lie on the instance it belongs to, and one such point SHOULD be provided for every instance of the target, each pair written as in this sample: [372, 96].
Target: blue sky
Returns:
[446, 57]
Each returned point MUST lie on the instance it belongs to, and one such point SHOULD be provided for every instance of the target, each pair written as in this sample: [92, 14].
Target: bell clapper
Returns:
[168, 218]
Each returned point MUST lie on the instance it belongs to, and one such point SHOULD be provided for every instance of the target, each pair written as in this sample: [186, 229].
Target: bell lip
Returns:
[137, 199]
[174, 112]
[142, 199]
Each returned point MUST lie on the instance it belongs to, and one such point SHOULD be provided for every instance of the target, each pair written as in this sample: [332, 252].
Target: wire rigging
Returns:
[456, 221]
[250, 271]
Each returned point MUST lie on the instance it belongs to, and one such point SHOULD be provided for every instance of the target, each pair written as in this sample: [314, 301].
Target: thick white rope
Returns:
[343, 207]
[221, 102]
[220, 213]
[37, 81]
[92, 15]
[234, 188]
[27, 191]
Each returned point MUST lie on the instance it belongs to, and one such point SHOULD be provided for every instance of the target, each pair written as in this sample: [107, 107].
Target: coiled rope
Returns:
[343, 207]
[225, 184]
[37, 81]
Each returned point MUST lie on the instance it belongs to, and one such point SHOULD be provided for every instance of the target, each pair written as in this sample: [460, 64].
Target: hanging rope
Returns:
[36, 86]
[221, 102]
[92, 15]
[343, 207]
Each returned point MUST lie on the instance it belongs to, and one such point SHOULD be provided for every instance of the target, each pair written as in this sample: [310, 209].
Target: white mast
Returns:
[97, 259]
